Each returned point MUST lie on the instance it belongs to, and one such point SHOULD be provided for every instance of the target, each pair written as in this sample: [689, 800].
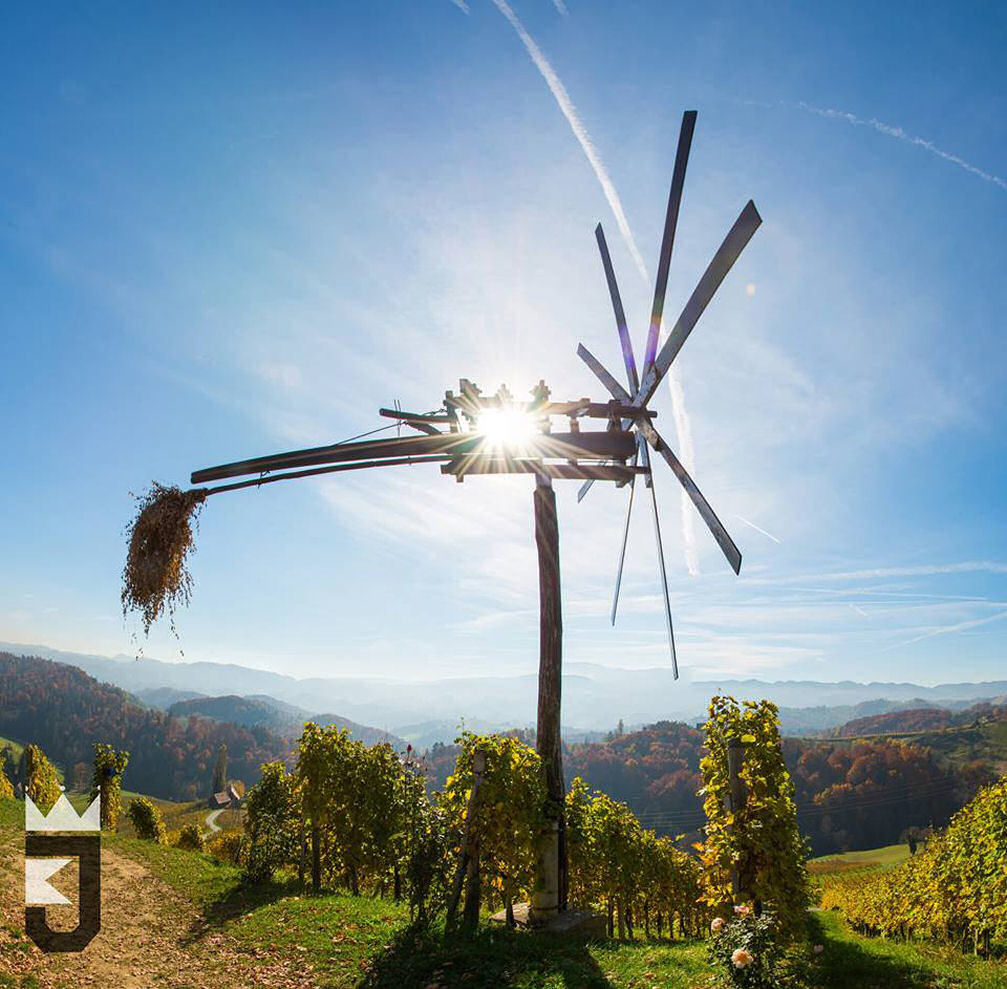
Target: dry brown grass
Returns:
[155, 579]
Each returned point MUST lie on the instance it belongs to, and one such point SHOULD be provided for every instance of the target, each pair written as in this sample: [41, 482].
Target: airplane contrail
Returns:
[683, 426]
[561, 7]
[948, 629]
[562, 97]
[902, 135]
[569, 111]
[752, 525]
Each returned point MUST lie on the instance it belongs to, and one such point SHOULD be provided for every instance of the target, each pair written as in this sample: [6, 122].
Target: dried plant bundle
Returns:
[155, 578]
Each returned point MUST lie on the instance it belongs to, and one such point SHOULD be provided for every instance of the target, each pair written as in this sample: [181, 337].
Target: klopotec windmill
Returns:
[474, 433]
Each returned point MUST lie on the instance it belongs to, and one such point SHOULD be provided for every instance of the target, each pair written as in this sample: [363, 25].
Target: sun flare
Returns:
[508, 429]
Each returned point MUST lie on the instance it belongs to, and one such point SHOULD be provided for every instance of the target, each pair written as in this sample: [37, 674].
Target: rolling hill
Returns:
[64, 710]
[285, 720]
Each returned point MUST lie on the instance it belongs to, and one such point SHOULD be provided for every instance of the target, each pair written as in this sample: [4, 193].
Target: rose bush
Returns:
[746, 949]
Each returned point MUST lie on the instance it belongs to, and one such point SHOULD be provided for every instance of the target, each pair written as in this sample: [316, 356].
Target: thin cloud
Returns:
[461, 5]
[561, 7]
[924, 570]
[902, 135]
[878, 573]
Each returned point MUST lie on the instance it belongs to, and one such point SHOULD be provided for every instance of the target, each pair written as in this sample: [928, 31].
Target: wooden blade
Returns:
[724, 541]
[668, 241]
[599, 445]
[645, 456]
[620, 313]
[615, 389]
[734, 243]
[622, 552]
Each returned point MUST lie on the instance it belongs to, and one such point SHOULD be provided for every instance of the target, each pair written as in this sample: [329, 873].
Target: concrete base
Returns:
[576, 923]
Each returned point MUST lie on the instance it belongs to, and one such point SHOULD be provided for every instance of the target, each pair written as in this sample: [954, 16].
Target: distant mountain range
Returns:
[595, 697]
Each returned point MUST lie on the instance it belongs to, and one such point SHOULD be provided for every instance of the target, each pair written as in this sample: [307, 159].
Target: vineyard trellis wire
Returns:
[892, 795]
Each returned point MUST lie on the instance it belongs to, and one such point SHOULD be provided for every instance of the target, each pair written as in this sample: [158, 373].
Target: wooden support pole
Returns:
[551, 881]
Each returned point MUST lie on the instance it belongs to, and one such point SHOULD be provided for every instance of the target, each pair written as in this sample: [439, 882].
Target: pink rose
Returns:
[743, 910]
[741, 958]
[716, 924]
[818, 949]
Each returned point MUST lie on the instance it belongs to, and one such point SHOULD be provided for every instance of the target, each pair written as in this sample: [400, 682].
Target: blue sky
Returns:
[230, 232]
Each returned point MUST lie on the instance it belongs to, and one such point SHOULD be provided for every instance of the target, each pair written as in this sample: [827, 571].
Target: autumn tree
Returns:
[41, 781]
[106, 781]
[220, 770]
[80, 777]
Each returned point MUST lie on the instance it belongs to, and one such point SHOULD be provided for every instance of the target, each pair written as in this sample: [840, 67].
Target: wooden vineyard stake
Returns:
[467, 874]
[736, 799]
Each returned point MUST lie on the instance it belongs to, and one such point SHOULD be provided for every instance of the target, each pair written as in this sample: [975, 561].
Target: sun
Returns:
[507, 429]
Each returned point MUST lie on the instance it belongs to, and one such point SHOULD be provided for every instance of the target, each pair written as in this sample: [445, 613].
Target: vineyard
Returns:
[360, 818]
[403, 879]
[954, 890]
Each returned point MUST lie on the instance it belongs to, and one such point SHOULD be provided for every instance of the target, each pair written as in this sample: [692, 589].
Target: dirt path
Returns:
[145, 939]
[211, 820]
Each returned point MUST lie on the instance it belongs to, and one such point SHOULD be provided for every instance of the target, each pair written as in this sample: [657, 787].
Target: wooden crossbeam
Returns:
[315, 471]
[464, 466]
[601, 445]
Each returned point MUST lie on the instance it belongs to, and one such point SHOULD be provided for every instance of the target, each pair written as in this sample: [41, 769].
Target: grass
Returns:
[873, 859]
[18, 982]
[199, 877]
[366, 943]
[849, 961]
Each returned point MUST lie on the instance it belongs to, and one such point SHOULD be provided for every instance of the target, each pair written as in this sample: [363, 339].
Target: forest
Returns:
[849, 794]
[65, 711]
